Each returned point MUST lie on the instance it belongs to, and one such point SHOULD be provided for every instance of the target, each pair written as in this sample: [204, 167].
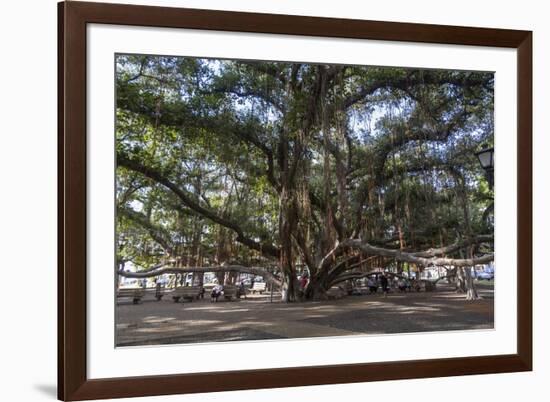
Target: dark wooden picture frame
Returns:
[73, 383]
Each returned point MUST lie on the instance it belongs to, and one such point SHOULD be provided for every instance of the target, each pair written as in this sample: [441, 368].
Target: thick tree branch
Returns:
[410, 80]
[132, 164]
[157, 233]
[412, 258]
[434, 252]
[259, 271]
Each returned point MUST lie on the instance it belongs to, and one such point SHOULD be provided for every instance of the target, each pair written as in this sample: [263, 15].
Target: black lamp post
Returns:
[487, 160]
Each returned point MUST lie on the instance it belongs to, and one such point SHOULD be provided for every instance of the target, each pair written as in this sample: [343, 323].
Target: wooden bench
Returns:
[134, 294]
[258, 287]
[425, 285]
[161, 291]
[335, 293]
[230, 292]
[429, 286]
[187, 293]
[348, 288]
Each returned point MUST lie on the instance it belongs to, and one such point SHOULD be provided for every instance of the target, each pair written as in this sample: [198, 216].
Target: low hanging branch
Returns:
[433, 252]
[259, 271]
[426, 259]
[359, 275]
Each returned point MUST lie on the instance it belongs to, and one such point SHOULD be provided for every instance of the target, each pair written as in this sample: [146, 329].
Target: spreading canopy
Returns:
[299, 165]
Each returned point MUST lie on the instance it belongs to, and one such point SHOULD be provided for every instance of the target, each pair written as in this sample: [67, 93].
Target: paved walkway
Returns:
[166, 322]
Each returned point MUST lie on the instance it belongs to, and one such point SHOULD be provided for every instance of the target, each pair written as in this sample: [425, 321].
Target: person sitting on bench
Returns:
[373, 286]
[216, 292]
[242, 290]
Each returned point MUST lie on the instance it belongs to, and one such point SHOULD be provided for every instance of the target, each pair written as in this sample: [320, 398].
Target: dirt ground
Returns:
[164, 322]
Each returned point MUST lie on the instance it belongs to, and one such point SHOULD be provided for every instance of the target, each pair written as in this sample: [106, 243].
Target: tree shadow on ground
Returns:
[202, 321]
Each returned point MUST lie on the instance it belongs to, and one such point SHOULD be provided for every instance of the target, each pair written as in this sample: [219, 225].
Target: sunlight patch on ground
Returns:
[155, 320]
[237, 310]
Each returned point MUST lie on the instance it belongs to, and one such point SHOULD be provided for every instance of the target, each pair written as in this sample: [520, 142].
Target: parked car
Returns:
[485, 275]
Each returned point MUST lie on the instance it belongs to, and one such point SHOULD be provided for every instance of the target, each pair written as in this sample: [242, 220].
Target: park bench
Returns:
[348, 288]
[134, 294]
[336, 292]
[187, 293]
[230, 292]
[258, 287]
[161, 291]
[429, 286]
[423, 285]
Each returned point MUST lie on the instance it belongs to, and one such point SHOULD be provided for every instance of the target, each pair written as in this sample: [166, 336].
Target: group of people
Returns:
[373, 283]
[218, 290]
[382, 281]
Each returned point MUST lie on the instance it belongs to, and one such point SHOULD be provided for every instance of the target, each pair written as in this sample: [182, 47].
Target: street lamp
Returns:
[487, 160]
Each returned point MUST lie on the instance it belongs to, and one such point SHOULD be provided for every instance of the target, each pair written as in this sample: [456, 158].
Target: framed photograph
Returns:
[253, 201]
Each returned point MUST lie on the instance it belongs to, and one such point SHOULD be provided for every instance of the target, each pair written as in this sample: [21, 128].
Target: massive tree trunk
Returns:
[317, 283]
[316, 290]
[286, 223]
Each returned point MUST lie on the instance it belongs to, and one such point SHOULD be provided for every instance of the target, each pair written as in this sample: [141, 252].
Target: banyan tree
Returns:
[274, 168]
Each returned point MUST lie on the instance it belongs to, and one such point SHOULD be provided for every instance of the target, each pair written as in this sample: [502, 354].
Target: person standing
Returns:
[384, 284]
[303, 282]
